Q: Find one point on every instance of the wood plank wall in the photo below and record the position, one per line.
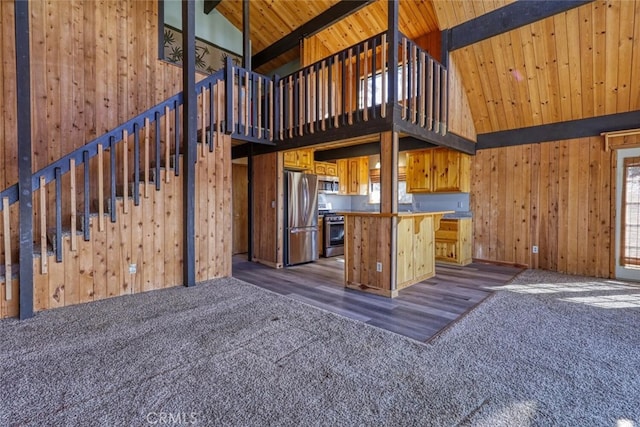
(556, 195)
(240, 211)
(94, 65)
(150, 236)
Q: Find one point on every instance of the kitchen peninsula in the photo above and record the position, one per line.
(386, 252)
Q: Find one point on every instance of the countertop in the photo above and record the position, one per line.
(399, 214)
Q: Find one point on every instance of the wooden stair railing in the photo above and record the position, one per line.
(136, 152)
(351, 87)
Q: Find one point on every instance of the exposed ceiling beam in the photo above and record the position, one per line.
(209, 5)
(581, 128)
(507, 18)
(330, 16)
(406, 143)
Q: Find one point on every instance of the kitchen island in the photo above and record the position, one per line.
(386, 252)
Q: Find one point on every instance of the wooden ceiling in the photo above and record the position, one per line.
(578, 64)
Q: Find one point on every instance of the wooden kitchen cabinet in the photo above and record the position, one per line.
(438, 170)
(353, 176)
(453, 241)
(299, 159)
(326, 168)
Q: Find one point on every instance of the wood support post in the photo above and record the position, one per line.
(246, 40)
(190, 125)
(25, 171)
(389, 195)
(392, 31)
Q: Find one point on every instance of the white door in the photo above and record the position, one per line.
(628, 214)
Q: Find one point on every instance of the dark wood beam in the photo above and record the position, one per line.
(330, 16)
(190, 131)
(450, 140)
(209, 5)
(406, 143)
(581, 128)
(25, 167)
(507, 18)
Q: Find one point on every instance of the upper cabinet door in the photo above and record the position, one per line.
(419, 171)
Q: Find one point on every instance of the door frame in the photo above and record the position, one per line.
(620, 271)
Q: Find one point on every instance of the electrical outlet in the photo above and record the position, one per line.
(534, 249)
(459, 204)
(379, 267)
(133, 268)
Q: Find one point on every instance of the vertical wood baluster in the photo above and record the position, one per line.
(343, 87)
(356, 81)
(271, 110)
(423, 77)
(167, 146)
(301, 91)
(112, 177)
(383, 101)
(443, 108)
(87, 200)
(329, 97)
(176, 137)
(125, 171)
(350, 87)
(414, 79)
(44, 264)
(158, 149)
(100, 188)
(365, 80)
(430, 94)
(290, 106)
(324, 82)
(7, 249)
(203, 125)
(57, 173)
(136, 164)
(147, 131)
(403, 83)
(74, 213)
(212, 111)
(247, 103)
(258, 123)
(436, 100)
(336, 120)
(373, 77)
(282, 111)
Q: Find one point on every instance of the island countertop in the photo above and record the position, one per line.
(386, 252)
(399, 214)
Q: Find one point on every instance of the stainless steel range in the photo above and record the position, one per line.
(333, 235)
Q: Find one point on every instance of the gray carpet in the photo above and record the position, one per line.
(229, 353)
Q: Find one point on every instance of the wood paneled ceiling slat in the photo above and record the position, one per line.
(272, 19)
(416, 18)
(578, 64)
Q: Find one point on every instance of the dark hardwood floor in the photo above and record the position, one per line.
(420, 311)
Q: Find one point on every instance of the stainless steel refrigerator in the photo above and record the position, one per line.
(302, 218)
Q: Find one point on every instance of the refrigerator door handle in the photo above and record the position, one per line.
(305, 198)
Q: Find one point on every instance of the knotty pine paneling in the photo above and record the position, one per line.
(578, 64)
(150, 236)
(556, 195)
(268, 209)
(240, 211)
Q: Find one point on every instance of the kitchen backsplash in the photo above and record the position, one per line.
(458, 202)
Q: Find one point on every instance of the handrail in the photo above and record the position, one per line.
(260, 109)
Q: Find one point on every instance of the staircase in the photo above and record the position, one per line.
(108, 216)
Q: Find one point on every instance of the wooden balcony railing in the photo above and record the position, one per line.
(351, 86)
